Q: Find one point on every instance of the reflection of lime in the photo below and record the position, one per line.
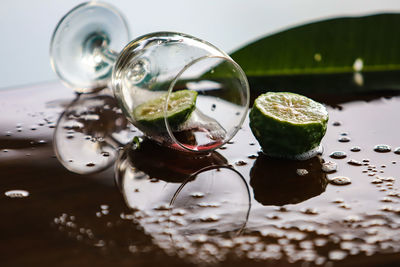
(287, 124)
(180, 105)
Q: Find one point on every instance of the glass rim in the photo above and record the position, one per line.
(177, 77)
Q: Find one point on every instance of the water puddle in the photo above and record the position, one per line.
(125, 196)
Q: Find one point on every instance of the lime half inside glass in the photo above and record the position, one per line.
(287, 124)
(181, 104)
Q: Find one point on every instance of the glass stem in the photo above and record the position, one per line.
(109, 55)
(97, 52)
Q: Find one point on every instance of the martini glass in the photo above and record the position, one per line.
(151, 69)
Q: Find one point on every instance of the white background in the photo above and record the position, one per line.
(26, 26)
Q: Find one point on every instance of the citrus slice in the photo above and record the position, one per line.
(180, 105)
(287, 124)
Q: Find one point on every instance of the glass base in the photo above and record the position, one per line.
(84, 45)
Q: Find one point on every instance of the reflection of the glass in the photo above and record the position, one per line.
(89, 132)
(179, 198)
(149, 174)
(281, 182)
(217, 195)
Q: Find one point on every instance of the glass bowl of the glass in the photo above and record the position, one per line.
(180, 91)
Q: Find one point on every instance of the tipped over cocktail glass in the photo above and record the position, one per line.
(180, 91)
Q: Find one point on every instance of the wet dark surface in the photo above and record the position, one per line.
(92, 196)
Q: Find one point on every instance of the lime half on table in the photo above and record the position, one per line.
(287, 124)
(181, 104)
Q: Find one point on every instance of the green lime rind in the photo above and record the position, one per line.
(287, 124)
(150, 114)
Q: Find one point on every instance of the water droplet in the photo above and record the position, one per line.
(240, 163)
(178, 212)
(355, 162)
(163, 207)
(340, 180)
(386, 199)
(382, 148)
(336, 123)
(105, 212)
(350, 219)
(272, 216)
(100, 244)
(344, 139)
(213, 106)
(301, 172)
(344, 206)
(16, 193)
(200, 238)
(317, 57)
(197, 195)
(377, 181)
(105, 154)
(397, 150)
(338, 155)
(320, 242)
(329, 166)
(337, 255)
(309, 211)
(208, 205)
(388, 179)
(387, 208)
(210, 218)
(358, 64)
(282, 209)
(358, 79)
(252, 144)
(355, 149)
(154, 180)
(252, 156)
(90, 164)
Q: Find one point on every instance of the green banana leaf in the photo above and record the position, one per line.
(331, 46)
(357, 55)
